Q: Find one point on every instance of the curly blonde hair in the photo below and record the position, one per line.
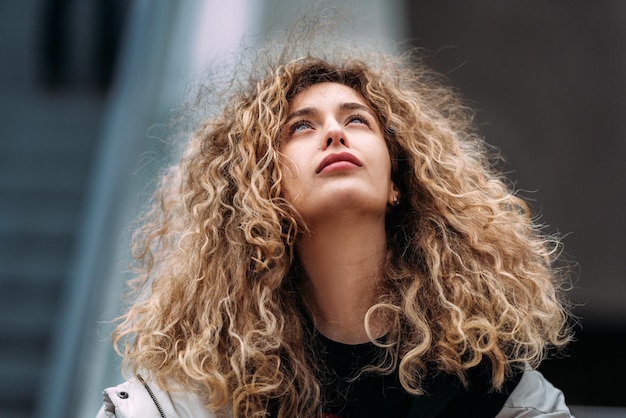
(469, 276)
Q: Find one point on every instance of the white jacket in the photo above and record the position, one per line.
(533, 397)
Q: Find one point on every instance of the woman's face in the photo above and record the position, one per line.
(334, 154)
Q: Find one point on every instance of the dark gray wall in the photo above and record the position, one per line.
(549, 81)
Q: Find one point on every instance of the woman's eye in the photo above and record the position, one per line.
(299, 126)
(358, 119)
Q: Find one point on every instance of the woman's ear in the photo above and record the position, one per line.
(394, 195)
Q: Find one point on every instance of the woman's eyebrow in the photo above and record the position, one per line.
(310, 111)
(305, 111)
(355, 106)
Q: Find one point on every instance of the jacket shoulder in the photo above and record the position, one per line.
(534, 397)
(136, 398)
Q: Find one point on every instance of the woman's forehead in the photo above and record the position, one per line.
(325, 91)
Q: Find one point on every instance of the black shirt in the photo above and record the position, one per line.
(350, 392)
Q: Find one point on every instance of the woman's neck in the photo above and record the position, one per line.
(343, 259)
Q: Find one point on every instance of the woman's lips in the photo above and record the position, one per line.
(331, 159)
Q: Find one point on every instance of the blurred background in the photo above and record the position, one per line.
(87, 92)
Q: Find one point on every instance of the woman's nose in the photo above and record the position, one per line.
(335, 136)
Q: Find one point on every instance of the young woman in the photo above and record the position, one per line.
(335, 243)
